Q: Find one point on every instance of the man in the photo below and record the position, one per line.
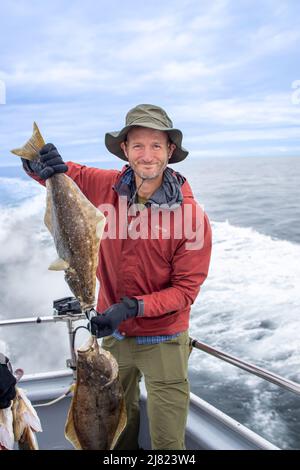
(147, 283)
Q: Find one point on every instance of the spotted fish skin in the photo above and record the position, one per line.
(75, 225)
(97, 415)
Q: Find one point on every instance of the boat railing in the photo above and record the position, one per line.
(247, 366)
(69, 318)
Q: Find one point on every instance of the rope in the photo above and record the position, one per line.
(56, 400)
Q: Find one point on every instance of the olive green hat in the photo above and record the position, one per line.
(153, 117)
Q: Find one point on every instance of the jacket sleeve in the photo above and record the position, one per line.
(189, 271)
(94, 183)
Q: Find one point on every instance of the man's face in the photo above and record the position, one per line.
(147, 151)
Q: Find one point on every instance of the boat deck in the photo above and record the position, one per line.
(207, 427)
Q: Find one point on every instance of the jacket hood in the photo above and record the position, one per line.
(187, 190)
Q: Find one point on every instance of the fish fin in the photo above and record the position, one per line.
(6, 429)
(28, 440)
(121, 425)
(30, 416)
(70, 431)
(24, 415)
(30, 150)
(59, 265)
(48, 212)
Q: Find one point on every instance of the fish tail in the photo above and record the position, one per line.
(30, 149)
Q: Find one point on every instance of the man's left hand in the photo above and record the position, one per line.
(107, 322)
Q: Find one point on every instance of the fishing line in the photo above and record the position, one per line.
(135, 193)
(74, 334)
(70, 389)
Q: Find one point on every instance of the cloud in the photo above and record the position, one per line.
(219, 65)
(246, 135)
(78, 52)
(274, 109)
(250, 151)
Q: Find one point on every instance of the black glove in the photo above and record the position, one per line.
(106, 323)
(49, 162)
(7, 383)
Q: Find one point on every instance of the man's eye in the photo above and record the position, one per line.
(157, 146)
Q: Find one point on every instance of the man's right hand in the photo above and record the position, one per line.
(49, 162)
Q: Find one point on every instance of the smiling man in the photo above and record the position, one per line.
(147, 152)
(147, 284)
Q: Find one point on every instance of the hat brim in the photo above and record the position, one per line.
(114, 139)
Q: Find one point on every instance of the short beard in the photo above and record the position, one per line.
(150, 177)
(146, 177)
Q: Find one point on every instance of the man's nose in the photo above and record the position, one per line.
(147, 154)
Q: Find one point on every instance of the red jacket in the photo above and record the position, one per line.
(163, 273)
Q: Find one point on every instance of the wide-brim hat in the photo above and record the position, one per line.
(153, 117)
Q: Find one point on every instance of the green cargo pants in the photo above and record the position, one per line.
(164, 367)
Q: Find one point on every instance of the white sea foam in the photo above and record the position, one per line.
(249, 307)
(250, 302)
(16, 190)
(27, 288)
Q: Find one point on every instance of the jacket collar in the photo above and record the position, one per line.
(168, 194)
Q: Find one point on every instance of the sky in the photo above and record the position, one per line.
(226, 72)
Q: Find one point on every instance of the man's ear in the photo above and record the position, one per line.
(124, 148)
(171, 149)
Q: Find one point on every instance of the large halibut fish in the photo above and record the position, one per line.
(75, 225)
(97, 415)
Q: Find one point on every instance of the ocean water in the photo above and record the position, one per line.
(249, 305)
